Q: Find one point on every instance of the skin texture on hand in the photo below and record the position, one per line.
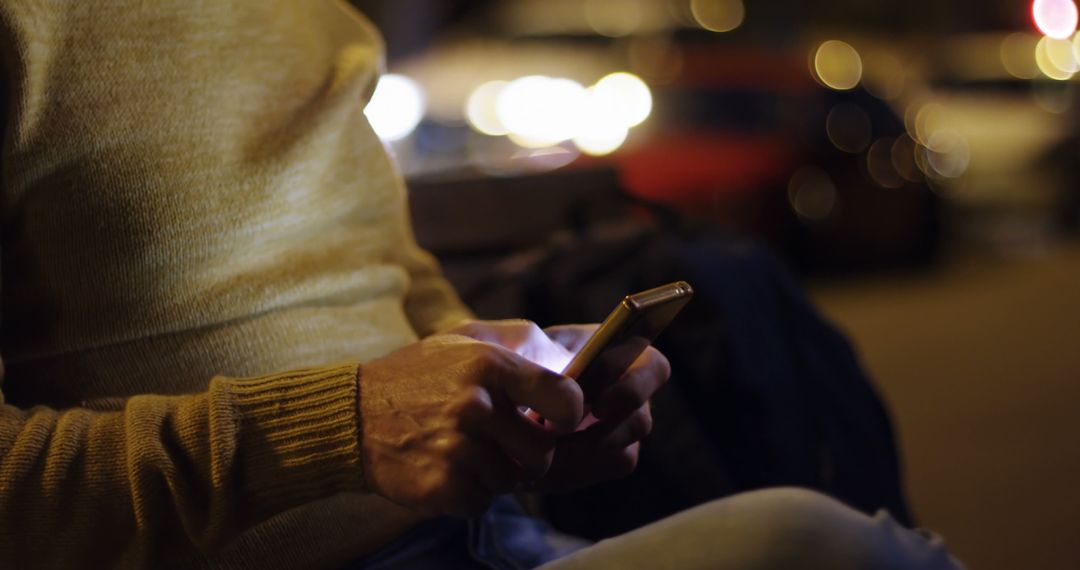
(605, 444)
(441, 428)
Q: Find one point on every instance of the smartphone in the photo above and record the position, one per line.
(636, 321)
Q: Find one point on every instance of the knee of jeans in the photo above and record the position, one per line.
(792, 509)
(808, 528)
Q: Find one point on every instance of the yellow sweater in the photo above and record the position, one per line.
(191, 195)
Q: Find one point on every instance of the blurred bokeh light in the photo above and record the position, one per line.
(614, 18)
(541, 111)
(396, 107)
(837, 65)
(1060, 53)
(1054, 58)
(879, 164)
(1018, 55)
(949, 153)
(718, 15)
(903, 158)
(626, 95)
(812, 194)
(481, 109)
(1055, 18)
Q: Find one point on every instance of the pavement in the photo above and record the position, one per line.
(979, 362)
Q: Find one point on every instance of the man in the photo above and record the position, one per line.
(212, 313)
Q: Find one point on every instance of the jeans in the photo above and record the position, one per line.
(784, 528)
(504, 538)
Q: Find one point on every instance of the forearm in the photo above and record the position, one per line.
(125, 488)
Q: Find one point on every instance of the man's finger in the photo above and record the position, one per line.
(629, 431)
(524, 440)
(525, 443)
(490, 465)
(640, 381)
(555, 397)
(605, 435)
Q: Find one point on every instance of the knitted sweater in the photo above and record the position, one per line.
(202, 242)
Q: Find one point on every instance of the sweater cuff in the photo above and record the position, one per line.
(299, 435)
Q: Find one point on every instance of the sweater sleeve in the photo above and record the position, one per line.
(123, 488)
(431, 303)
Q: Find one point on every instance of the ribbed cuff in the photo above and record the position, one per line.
(299, 435)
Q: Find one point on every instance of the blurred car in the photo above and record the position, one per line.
(1019, 128)
(746, 138)
(741, 136)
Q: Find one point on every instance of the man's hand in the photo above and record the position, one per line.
(441, 428)
(605, 444)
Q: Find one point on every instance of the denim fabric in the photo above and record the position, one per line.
(774, 529)
(503, 538)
